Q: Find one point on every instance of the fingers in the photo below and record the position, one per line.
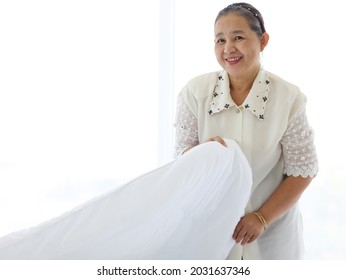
(248, 238)
(245, 238)
(217, 139)
(247, 230)
(237, 236)
(242, 235)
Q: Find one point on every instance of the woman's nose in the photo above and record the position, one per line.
(229, 48)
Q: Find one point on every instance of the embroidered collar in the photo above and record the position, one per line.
(255, 102)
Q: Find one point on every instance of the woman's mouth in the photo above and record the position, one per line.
(233, 60)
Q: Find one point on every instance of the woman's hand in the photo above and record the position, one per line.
(217, 139)
(248, 229)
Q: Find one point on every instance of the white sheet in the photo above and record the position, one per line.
(186, 209)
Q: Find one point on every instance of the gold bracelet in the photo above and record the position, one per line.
(262, 220)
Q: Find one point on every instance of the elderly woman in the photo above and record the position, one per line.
(266, 116)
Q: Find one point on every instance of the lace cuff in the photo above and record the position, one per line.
(298, 148)
(186, 125)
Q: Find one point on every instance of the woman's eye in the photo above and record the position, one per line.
(219, 41)
(238, 38)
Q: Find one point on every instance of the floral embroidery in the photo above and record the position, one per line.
(256, 100)
(298, 148)
(186, 125)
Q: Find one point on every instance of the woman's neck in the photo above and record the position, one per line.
(241, 86)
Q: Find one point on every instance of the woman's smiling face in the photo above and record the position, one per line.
(237, 46)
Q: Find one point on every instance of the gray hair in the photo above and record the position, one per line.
(252, 15)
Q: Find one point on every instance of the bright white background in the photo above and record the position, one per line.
(78, 102)
(87, 92)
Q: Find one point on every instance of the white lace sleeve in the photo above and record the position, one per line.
(186, 125)
(298, 148)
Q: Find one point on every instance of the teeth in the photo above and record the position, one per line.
(233, 59)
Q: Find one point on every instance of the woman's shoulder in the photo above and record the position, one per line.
(207, 77)
(285, 94)
(283, 85)
(203, 83)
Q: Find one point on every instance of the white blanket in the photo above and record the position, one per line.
(186, 209)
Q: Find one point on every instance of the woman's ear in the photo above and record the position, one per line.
(264, 40)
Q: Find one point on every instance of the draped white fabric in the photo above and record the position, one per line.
(186, 209)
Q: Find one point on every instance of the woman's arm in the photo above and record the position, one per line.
(186, 125)
(284, 197)
(300, 163)
(250, 227)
